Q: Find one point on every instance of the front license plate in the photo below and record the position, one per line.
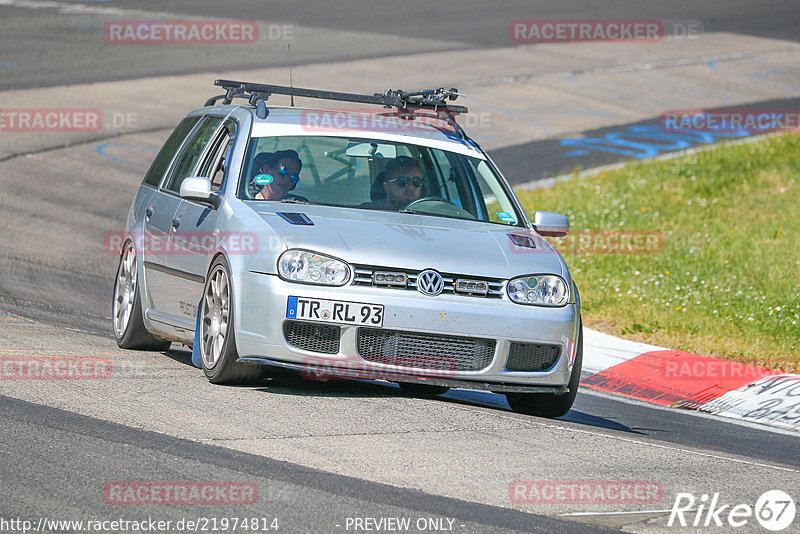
(334, 311)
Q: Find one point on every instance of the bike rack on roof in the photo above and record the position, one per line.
(406, 103)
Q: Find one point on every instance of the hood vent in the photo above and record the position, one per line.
(522, 240)
(297, 218)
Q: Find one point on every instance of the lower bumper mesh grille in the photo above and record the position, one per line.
(531, 357)
(425, 351)
(312, 337)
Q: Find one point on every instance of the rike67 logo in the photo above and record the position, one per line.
(774, 510)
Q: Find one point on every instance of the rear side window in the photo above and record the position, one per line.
(167, 152)
(187, 160)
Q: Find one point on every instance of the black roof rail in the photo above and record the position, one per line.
(428, 99)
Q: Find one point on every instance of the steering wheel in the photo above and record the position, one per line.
(426, 199)
(439, 206)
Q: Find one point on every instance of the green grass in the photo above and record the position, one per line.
(726, 281)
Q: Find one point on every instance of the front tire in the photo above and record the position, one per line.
(126, 309)
(218, 353)
(550, 404)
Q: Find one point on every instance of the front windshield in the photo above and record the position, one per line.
(375, 175)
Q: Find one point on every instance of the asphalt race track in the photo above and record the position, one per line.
(325, 454)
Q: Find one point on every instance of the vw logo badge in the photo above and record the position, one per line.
(430, 282)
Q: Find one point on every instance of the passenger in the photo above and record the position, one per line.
(277, 174)
(397, 186)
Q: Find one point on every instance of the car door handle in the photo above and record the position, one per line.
(149, 211)
(176, 222)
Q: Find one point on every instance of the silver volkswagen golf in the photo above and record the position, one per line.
(381, 243)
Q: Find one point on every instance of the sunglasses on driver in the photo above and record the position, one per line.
(403, 181)
(264, 179)
(292, 177)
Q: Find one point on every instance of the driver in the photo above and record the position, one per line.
(400, 184)
(277, 174)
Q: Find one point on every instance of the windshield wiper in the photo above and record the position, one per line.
(291, 200)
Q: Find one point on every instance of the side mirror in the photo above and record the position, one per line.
(199, 188)
(551, 224)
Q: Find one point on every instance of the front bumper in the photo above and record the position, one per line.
(260, 306)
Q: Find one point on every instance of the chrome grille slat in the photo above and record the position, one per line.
(363, 276)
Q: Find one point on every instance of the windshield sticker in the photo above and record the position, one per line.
(262, 179)
(506, 217)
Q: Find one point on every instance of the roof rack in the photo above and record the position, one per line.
(427, 99)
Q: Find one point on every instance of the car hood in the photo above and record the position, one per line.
(412, 241)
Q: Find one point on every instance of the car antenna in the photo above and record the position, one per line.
(289, 46)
